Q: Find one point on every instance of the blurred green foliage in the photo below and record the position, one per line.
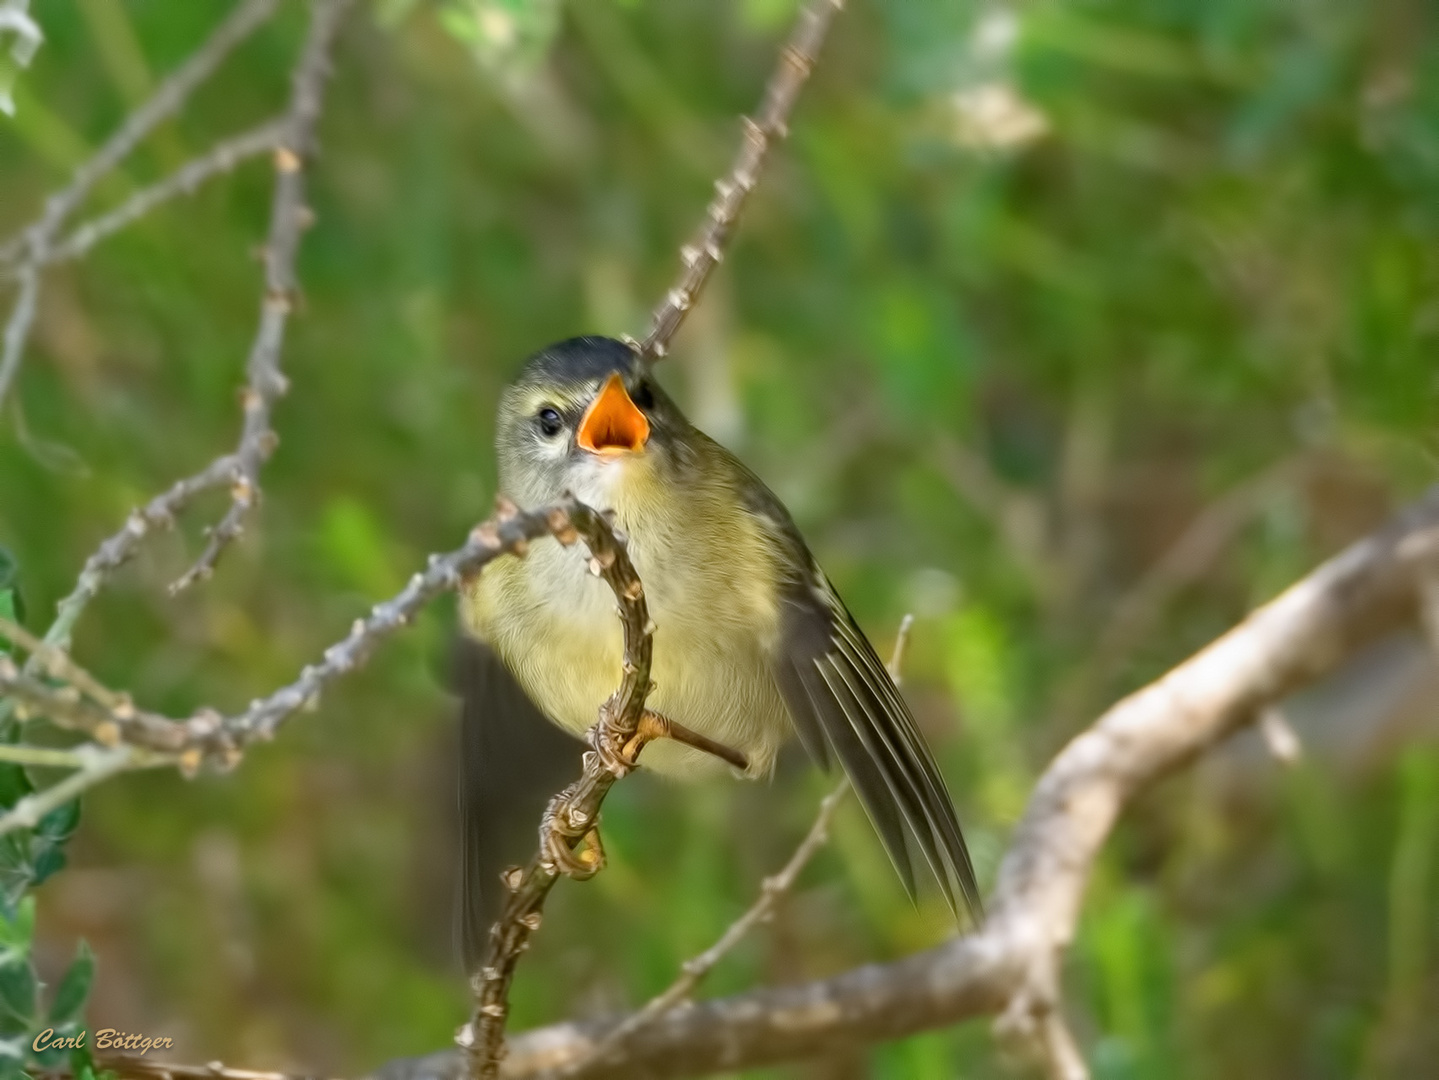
(1028, 288)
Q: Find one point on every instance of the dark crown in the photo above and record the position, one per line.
(578, 360)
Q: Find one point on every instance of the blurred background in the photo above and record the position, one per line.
(1075, 328)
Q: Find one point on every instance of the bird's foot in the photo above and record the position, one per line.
(655, 726)
(569, 846)
(617, 750)
(613, 748)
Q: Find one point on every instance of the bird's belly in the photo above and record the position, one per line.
(708, 669)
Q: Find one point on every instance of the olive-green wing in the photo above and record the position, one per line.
(843, 701)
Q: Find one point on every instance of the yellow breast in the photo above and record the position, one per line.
(710, 581)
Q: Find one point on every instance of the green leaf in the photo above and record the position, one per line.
(13, 1051)
(16, 933)
(16, 871)
(14, 784)
(12, 604)
(59, 823)
(74, 988)
(18, 989)
(49, 859)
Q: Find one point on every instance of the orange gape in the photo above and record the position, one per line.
(613, 424)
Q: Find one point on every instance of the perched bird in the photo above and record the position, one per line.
(752, 643)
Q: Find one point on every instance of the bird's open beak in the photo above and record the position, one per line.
(613, 424)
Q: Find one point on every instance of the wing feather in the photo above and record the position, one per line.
(843, 700)
(512, 759)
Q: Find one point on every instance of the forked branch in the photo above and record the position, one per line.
(32, 248)
(289, 217)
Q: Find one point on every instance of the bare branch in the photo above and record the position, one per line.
(574, 813)
(220, 158)
(694, 970)
(32, 245)
(1011, 966)
(289, 216)
(508, 532)
(106, 716)
(242, 21)
(701, 256)
(115, 551)
(57, 664)
(45, 757)
(17, 329)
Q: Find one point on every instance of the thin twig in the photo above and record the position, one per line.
(44, 757)
(289, 217)
(694, 970)
(108, 725)
(17, 329)
(574, 813)
(508, 532)
(31, 247)
(116, 550)
(244, 19)
(101, 765)
(797, 59)
(220, 158)
(57, 664)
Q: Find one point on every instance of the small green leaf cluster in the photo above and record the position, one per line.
(27, 858)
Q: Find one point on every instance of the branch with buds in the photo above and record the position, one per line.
(122, 735)
(705, 252)
(39, 244)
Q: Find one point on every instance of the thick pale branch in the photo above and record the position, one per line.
(1011, 966)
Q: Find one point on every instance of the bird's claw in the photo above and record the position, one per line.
(615, 751)
(567, 848)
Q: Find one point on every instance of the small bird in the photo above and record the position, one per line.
(752, 643)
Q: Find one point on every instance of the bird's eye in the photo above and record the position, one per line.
(549, 421)
(644, 396)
